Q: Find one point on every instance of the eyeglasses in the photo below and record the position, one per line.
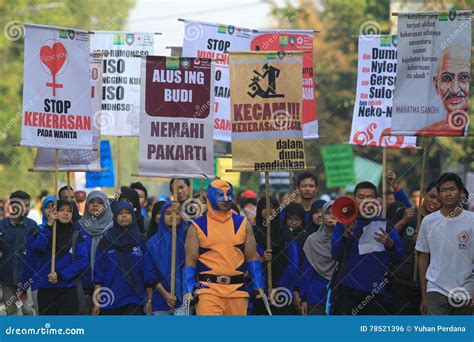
(446, 80)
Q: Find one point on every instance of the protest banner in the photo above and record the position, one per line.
(338, 163)
(377, 68)
(106, 178)
(266, 100)
(56, 89)
(76, 160)
(205, 40)
(176, 120)
(433, 74)
(121, 79)
(295, 40)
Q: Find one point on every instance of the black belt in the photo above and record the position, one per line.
(219, 279)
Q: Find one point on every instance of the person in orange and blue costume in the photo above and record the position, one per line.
(220, 247)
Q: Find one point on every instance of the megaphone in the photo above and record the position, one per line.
(345, 209)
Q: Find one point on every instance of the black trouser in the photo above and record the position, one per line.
(127, 310)
(58, 301)
(356, 302)
(260, 310)
(406, 299)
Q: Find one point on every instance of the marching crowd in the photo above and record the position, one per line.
(113, 256)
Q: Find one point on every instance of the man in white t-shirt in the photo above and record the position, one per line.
(446, 247)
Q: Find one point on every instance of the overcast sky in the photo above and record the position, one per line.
(162, 16)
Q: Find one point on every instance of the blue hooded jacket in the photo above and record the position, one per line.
(158, 261)
(30, 275)
(119, 263)
(69, 265)
(364, 272)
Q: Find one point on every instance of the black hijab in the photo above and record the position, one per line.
(153, 228)
(134, 198)
(300, 235)
(279, 235)
(123, 239)
(317, 205)
(64, 232)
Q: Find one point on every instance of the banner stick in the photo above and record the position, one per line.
(269, 224)
(384, 182)
(31, 169)
(422, 188)
(395, 14)
(68, 183)
(18, 145)
(119, 162)
(182, 19)
(201, 190)
(253, 170)
(173, 240)
(53, 251)
(291, 182)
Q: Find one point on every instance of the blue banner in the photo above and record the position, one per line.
(102, 179)
(238, 329)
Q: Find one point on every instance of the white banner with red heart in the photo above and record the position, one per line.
(57, 110)
(75, 160)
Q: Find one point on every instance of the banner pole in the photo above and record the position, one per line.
(384, 182)
(68, 183)
(119, 162)
(422, 190)
(173, 240)
(291, 182)
(269, 239)
(201, 190)
(53, 242)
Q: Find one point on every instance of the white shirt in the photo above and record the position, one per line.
(449, 241)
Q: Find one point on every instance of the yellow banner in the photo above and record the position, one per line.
(266, 103)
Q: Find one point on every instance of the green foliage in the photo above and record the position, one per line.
(80, 14)
(339, 23)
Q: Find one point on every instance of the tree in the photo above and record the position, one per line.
(339, 23)
(80, 14)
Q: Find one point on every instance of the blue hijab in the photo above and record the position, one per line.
(161, 251)
(123, 240)
(46, 201)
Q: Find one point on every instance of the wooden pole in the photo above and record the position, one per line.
(56, 174)
(119, 162)
(422, 190)
(201, 190)
(269, 226)
(291, 182)
(68, 184)
(173, 240)
(384, 182)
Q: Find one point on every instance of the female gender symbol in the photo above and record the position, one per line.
(54, 58)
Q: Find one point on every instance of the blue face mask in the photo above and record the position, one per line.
(219, 191)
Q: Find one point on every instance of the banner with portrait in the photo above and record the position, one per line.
(433, 74)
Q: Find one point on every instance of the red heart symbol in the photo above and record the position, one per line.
(54, 57)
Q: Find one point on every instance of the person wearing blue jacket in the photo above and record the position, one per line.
(318, 266)
(365, 249)
(95, 222)
(57, 291)
(16, 233)
(30, 270)
(157, 264)
(46, 207)
(283, 255)
(118, 269)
